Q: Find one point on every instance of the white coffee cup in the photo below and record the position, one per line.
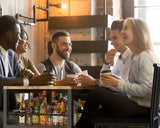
(106, 72)
(85, 72)
(72, 75)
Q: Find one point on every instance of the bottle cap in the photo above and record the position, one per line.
(37, 98)
(24, 101)
(61, 95)
(44, 93)
(53, 94)
(79, 102)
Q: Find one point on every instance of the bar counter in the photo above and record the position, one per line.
(48, 87)
(70, 90)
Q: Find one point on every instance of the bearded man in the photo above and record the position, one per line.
(57, 62)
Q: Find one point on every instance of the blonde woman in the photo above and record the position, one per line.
(136, 94)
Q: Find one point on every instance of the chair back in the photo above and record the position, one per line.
(155, 96)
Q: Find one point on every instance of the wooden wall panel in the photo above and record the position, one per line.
(77, 22)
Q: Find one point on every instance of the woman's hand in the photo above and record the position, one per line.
(109, 80)
(27, 73)
(86, 80)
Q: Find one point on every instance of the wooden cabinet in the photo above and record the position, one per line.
(13, 122)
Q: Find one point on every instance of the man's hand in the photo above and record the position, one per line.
(67, 81)
(110, 56)
(86, 80)
(27, 73)
(47, 78)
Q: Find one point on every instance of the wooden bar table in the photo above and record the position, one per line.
(71, 90)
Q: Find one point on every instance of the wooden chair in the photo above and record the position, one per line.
(151, 121)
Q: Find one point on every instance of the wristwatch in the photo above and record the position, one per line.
(97, 82)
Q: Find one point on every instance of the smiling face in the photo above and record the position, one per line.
(22, 46)
(63, 47)
(127, 33)
(117, 40)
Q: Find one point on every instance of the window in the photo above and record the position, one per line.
(149, 10)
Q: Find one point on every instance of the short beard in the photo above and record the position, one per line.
(61, 54)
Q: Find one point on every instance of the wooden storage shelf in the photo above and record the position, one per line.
(64, 22)
(89, 46)
(9, 122)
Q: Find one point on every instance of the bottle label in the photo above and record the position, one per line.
(75, 118)
(65, 121)
(22, 119)
(28, 120)
(79, 115)
(61, 120)
(35, 119)
(42, 118)
(55, 120)
(49, 121)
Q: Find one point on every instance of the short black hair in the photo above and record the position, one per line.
(58, 34)
(117, 24)
(7, 23)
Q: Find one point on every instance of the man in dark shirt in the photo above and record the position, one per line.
(57, 62)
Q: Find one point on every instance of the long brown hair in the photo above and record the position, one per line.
(142, 40)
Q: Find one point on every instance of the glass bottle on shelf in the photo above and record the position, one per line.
(35, 117)
(60, 109)
(66, 116)
(31, 101)
(62, 112)
(37, 103)
(55, 118)
(21, 115)
(49, 117)
(80, 109)
(43, 118)
(44, 96)
(75, 109)
(53, 100)
(28, 116)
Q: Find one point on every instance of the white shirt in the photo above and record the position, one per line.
(5, 60)
(141, 77)
(122, 66)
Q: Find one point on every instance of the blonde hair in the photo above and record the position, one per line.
(142, 40)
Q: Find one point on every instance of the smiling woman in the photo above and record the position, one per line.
(22, 47)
